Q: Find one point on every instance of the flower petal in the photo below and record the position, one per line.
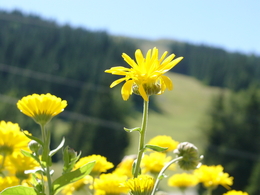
(142, 92)
(168, 82)
(169, 66)
(139, 57)
(116, 82)
(126, 90)
(118, 70)
(163, 56)
(168, 59)
(129, 60)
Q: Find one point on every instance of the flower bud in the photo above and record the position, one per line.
(149, 89)
(190, 157)
(72, 154)
(34, 146)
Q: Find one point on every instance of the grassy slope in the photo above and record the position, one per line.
(184, 111)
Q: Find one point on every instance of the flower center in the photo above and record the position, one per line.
(6, 150)
(150, 89)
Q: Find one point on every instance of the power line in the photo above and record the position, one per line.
(51, 78)
(235, 152)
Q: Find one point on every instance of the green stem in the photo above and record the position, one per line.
(45, 156)
(160, 175)
(209, 191)
(141, 139)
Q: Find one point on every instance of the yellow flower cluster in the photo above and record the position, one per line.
(12, 162)
(212, 176)
(145, 77)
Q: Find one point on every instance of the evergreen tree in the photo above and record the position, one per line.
(233, 135)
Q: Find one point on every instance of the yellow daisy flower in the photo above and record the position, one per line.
(12, 140)
(110, 184)
(164, 141)
(125, 166)
(142, 185)
(78, 185)
(234, 192)
(212, 176)
(101, 165)
(183, 180)
(20, 163)
(155, 161)
(41, 107)
(9, 181)
(145, 77)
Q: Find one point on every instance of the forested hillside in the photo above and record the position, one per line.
(39, 56)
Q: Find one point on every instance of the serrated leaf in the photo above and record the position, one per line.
(133, 129)
(58, 148)
(34, 138)
(18, 190)
(155, 148)
(71, 177)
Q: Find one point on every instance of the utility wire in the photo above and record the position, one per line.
(51, 78)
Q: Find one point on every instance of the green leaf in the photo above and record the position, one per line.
(133, 129)
(133, 167)
(18, 190)
(71, 177)
(34, 138)
(155, 148)
(28, 154)
(58, 148)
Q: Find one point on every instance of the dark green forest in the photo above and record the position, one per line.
(39, 56)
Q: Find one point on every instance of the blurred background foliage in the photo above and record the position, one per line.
(39, 56)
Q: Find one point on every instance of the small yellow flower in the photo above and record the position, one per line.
(164, 141)
(183, 180)
(212, 176)
(101, 165)
(20, 163)
(9, 181)
(125, 166)
(234, 192)
(41, 107)
(12, 140)
(142, 185)
(155, 161)
(146, 74)
(110, 184)
(78, 185)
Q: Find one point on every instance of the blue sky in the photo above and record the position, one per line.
(233, 25)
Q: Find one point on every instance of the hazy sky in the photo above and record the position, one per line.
(229, 24)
